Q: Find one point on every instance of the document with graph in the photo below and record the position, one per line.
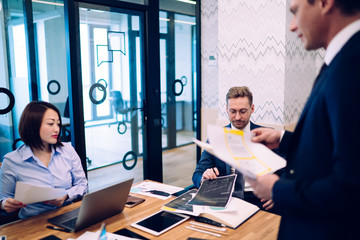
(235, 148)
(215, 192)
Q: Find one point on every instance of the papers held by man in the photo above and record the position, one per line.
(235, 148)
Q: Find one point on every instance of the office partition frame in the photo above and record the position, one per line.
(152, 147)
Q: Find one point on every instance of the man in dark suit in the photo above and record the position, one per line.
(239, 107)
(318, 193)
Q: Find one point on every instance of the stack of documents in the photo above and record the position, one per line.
(221, 208)
(233, 215)
(215, 192)
(146, 187)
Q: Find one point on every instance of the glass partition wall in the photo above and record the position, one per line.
(39, 77)
(112, 78)
(138, 99)
(178, 90)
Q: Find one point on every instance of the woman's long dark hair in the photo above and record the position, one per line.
(30, 123)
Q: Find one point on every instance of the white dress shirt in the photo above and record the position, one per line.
(340, 40)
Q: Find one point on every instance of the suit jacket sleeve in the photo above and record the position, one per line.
(206, 161)
(284, 145)
(322, 175)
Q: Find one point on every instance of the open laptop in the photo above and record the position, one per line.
(95, 207)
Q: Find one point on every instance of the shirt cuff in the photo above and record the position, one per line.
(3, 204)
(282, 135)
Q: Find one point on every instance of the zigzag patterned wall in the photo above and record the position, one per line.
(301, 70)
(209, 47)
(253, 47)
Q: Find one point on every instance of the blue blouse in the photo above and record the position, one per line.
(64, 171)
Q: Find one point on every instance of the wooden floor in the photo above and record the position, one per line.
(178, 167)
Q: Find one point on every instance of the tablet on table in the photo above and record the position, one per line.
(159, 222)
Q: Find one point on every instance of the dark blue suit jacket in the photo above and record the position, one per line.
(209, 161)
(318, 195)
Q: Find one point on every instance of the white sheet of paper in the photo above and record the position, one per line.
(235, 148)
(95, 236)
(206, 209)
(205, 146)
(28, 193)
(144, 187)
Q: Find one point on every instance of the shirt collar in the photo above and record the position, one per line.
(27, 153)
(245, 129)
(339, 40)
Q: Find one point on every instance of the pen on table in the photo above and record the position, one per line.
(222, 229)
(59, 229)
(209, 221)
(203, 231)
(157, 192)
(208, 229)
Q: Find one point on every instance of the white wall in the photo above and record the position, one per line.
(253, 47)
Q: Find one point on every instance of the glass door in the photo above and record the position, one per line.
(15, 90)
(34, 32)
(178, 96)
(112, 80)
(50, 55)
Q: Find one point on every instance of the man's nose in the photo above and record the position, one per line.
(293, 26)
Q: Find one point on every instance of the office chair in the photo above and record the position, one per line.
(120, 107)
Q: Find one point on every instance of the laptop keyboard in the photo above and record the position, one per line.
(70, 223)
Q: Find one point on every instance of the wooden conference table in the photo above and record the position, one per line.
(262, 225)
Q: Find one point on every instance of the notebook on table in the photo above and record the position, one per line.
(95, 207)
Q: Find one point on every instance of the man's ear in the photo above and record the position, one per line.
(326, 5)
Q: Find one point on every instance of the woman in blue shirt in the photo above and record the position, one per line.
(43, 160)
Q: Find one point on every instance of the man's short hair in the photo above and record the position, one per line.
(348, 7)
(236, 92)
(30, 123)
